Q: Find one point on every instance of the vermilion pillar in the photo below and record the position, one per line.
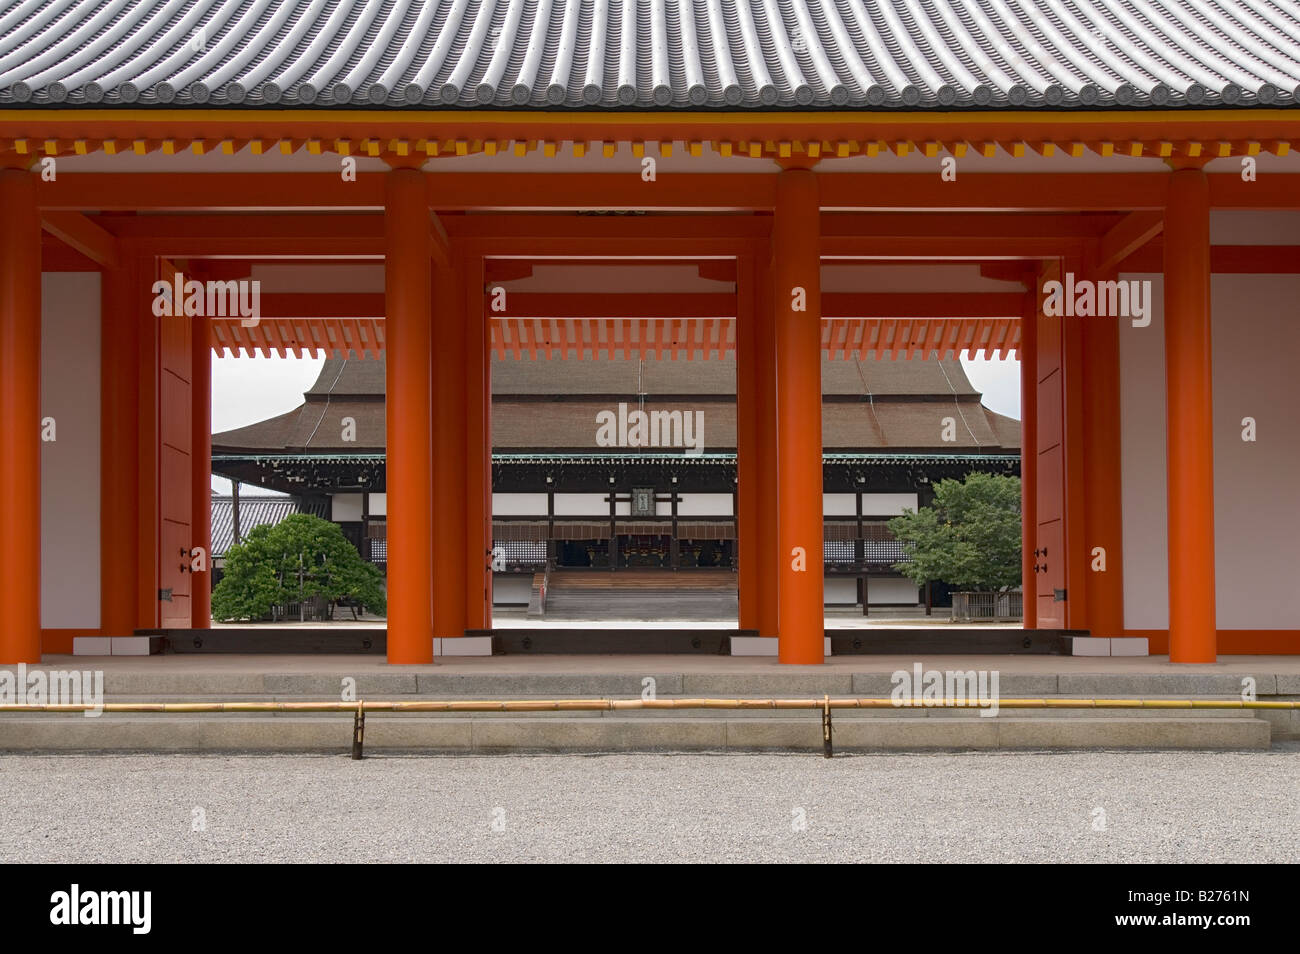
(765, 453)
(1078, 576)
(1189, 410)
(449, 566)
(1029, 451)
(20, 418)
(148, 353)
(407, 276)
(478, 450)
(1103, 503)
(796, 306)
(201, 471)
(124, 299)
(747, 439)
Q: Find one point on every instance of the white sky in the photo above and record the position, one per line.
(248, 390)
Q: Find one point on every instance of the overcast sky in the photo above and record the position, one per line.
(248, 390)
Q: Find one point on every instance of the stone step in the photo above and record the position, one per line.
(214, 682)
(636, 731)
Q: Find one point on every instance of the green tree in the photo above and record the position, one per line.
(969, 537)
(300, 557)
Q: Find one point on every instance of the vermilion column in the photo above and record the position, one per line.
(407, 274)
(1029, 451)
(765, 453)
(20, 418)
(747, 439)
(201, 471)
(796, 306)
(449, 565)
(148, 355)
(478, 451)
(1189, 410)
(1103, 505)
(123, 301)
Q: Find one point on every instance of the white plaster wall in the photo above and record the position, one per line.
(891, 589)
(345, 508)
(887, 505)
(581, 505)
(1257, 528)
(840, 591)
(1142, 465)
(379, 505)
(704, 505)
(881, 590)
(839, 505)
(70, 464)
(519, 505)
(1256, 523)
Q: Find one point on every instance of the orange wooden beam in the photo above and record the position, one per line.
(82, 234)
(228, 191)
(1125, 238)
(1119, 191)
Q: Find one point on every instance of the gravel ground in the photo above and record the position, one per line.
(1038, 807)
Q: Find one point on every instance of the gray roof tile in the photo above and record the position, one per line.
(650, 54)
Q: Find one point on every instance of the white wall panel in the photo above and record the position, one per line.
(839, 505)
(1142, 466)
(581, 505)
(519, 505)
(704, 505)
(1256, 521)
(345, 508)
(887, 505)
(1257, 530)
(891, 589)
(69, 543)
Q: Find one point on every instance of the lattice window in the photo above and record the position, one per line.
(837, 551)
(884, 551)
(522, 552)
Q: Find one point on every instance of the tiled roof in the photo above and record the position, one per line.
(617, 375)
(870, 404)
(654, 54)
(252, 511)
